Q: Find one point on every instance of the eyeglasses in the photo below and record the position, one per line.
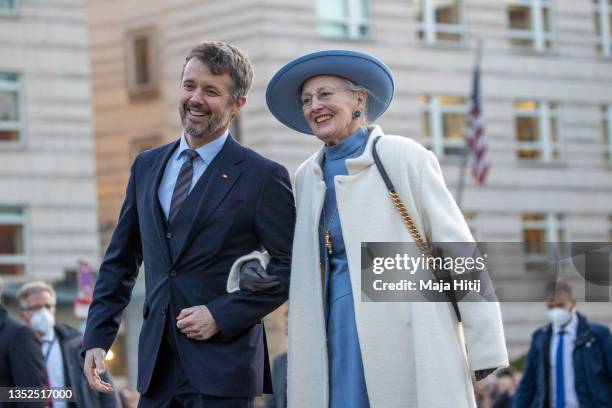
(323, 95)
(36, 307)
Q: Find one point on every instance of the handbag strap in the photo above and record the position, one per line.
(410, 225)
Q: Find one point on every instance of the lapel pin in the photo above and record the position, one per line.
(225, 176)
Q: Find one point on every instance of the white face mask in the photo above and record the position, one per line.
(42, 321)
(559, 316)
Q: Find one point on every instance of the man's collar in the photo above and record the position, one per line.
(206, 152)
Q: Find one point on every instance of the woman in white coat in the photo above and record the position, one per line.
(344, 353)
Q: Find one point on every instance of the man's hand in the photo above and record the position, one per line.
(93, 367)
(197, 323)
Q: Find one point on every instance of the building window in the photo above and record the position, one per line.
(603, 26)
(537, 131)
(440, 21)
(606, 124)
(13, 254)
(538, 231)
(531, 24)
(140, 144)
(540, 228)
(343, 18)
(444, 121)
(8, 7)
(141, 63)
(10, 115)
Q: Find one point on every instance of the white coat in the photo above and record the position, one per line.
(414, 354)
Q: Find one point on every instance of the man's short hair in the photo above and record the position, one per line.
(558, 288)
(31, 288)
(223, 58)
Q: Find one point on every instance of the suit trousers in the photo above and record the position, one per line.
(170, 387)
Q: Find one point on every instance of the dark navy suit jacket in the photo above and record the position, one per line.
(21, 361)
(242, 202)
(592, 361)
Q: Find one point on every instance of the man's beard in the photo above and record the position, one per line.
(214, 121)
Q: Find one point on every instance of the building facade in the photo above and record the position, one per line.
(546, 95)
(48, 210)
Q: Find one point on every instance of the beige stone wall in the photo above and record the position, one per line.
(120, 120)
(50, 173)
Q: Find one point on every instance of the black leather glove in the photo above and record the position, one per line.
(482, 374)
(254, 278)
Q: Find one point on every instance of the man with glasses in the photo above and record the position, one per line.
(60, 346)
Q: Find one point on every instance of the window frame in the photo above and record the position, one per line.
(430, 28)
(536, 34)
(546, 147)
(603, 11)
(553, 224)
(352, 22)
(145, 142)
(437, 141)
(17, 125)
(149, 89)
(22, 219)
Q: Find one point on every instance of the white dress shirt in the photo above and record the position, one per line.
(52, 353)
(571, 399)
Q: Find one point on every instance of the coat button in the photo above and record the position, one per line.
(173, 272)
(164, 310)
(168, 235)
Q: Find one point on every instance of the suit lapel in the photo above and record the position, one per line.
(156, 210)
(220, 177)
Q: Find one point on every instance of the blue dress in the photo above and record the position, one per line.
(347, 388)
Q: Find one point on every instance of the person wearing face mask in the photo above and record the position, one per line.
(60, 346)
(21, 362)
(569, 364)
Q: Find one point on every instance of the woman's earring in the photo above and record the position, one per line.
(356, 113)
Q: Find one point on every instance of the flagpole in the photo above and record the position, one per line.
(466, 151)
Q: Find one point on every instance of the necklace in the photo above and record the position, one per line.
(327, 236)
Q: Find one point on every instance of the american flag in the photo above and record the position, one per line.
(475, 136)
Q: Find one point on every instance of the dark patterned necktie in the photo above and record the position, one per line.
(183, 183)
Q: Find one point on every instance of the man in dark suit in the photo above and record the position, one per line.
(569, 364)
(60, 345)
(192, 208)
(21, 362)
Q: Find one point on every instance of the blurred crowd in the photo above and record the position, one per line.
(35, 350)
(497, 391)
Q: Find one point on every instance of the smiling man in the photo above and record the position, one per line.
(192, 208)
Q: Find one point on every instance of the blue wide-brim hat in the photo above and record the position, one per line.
(283, 94)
